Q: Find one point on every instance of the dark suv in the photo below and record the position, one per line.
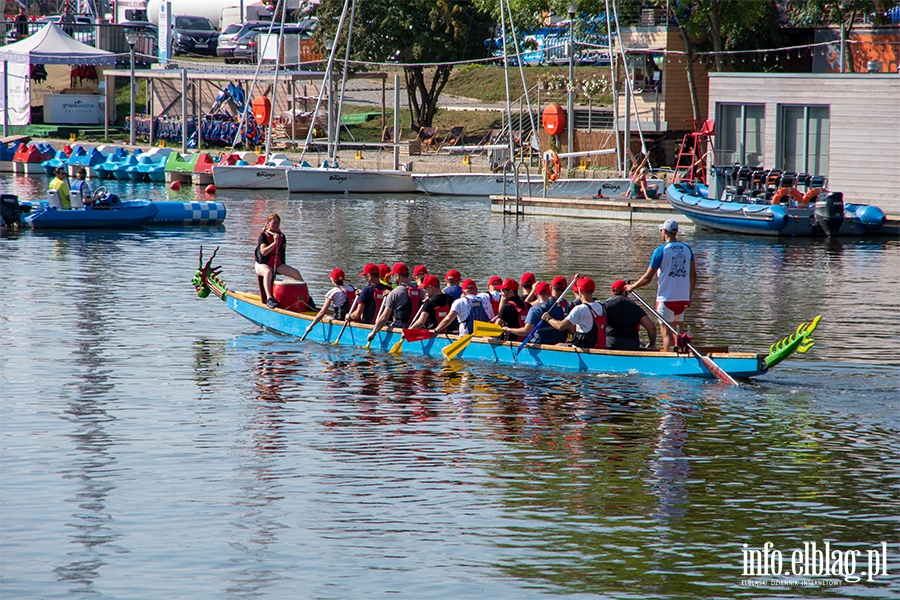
(195, 34)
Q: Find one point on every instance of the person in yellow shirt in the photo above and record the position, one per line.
(61, 186)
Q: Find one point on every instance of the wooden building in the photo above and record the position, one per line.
(662, 96)
(843, 126)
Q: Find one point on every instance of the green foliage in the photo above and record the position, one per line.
(412, 31)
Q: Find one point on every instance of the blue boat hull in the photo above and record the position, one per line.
(768, 219)
(132, 215)
(657, 364)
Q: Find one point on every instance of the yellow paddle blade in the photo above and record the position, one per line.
(456, 347)
(396, 348)
(483, 328)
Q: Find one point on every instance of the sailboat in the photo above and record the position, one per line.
(496, 184)
(331, 178)
(268, 172)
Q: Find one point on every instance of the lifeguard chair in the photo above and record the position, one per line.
(691, 163)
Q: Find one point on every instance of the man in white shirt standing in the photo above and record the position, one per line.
(673, 263)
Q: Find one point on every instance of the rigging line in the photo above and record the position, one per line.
(512, 143)
(337, 128)
(275, 84)
(534, 139)
(248, 100)
(328, 69)
(612, 84)
(629, 89)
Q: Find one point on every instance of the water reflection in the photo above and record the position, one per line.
(94, 465)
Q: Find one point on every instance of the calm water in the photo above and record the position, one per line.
(156, 445)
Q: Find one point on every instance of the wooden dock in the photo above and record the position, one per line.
(589, 208)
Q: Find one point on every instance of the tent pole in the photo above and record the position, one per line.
(106, 107)
(184, 112)
(5, 101)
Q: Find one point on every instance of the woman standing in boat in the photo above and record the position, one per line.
(270, 252)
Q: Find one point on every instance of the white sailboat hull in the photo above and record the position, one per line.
(250, 177)
(313, 180)
(491, 184)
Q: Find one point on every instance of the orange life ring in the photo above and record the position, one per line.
(551, 165)
(785, 192)
(809, 197)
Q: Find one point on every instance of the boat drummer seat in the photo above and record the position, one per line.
(54, 198)
(76, 199)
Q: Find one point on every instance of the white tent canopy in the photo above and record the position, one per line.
(50, 46)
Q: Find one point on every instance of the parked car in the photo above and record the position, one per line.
(80, 27)
(247, 46)
(229, 37)
(195, 34)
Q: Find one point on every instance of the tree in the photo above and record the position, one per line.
(413, 33)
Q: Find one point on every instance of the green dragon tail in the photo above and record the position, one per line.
(207, 278)
(799, 341)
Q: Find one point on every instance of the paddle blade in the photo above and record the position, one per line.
(456, 347)
(416, 335)
(717, 370)
(397, 348)
(485, 329)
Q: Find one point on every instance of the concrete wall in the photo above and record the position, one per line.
(864, 120)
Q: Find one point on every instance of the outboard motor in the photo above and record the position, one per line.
(829, 212)
(11, 210)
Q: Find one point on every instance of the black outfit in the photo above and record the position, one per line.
(265, 240)
(22, 26)
(430, 306)
(367, 298)
(623, 319)
(509, 315)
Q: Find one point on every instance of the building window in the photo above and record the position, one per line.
(803, 139)
(740, 136)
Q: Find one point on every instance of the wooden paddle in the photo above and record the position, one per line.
(533, 331)
(480, 329)
(707, 361)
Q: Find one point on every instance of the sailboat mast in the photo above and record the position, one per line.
(512, 142)
(612, 84)
(337, 127)
(275, 84)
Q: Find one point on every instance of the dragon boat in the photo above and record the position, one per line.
(774, 203)
(207, 280)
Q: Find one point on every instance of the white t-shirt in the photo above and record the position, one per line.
(672, 262)
(463, 308)
(582, 318)
(338, 295)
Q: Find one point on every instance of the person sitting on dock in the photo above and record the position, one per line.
(341, 297)
(468, 309)
(624, 318)
(60, 185)
(270, 253)
(673, 263)
(370, 296)
(546, 334)
(512, 309)
(401, 304)
(436, 306)
(639, 188)
(586, 322)
(81, 186)
(453, 288)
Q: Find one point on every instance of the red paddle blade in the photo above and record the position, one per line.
(416, 335)
(717, 371)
